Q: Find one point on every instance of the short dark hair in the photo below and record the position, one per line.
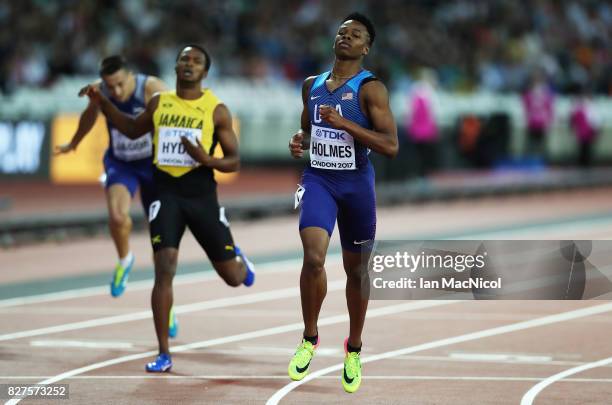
(199, 48)
(365, 21)
(111, 64)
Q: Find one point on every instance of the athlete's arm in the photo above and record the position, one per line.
(86, 123)
(230, 162)
(153, 85)
(300, 141)
(383, 137)
(130, 127)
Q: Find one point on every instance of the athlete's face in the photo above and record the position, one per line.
(191, 64)
(352, 40)
(121, 84)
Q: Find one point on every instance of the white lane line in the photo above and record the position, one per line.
(373, 313)
(101, 290)
(189, 278)
(263, 268)
(546, 320)
(179, 309)
(547, 228)
(536, 389)
(58, 296)
(82, 344)
(449, 359)
(328, 377)
(500, 357)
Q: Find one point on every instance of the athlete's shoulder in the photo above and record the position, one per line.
(373, 85)
(222, 115)
(209, 99)
(154, 84)
(307, 84)
(209, 93)
(165, 95)
(310, 79)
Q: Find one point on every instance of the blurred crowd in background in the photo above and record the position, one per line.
(494, 45)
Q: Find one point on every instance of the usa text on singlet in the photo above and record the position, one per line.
(332, 148)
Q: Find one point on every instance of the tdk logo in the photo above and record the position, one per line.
(329, 134)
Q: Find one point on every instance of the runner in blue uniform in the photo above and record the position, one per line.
(346, 114)
(127, 163)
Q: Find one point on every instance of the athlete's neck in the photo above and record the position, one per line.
(131, 87)
(345, 69)
(188, 90)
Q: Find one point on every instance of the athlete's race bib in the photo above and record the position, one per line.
(331, 149)
(170, 150)
(128, 149)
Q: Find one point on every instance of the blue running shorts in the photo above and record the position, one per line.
(345, 196)
(131, 175)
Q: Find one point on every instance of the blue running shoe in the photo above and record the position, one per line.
(162, 364)
(250, 267)
(120, 278)
(173, 324)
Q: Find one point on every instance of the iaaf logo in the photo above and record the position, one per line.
(329, 134)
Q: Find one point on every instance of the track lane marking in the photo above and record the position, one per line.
(536, 389)
(373, 313)
(532, 323)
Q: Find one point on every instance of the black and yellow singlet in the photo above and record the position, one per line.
(174, 118)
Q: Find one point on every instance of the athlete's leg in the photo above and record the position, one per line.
(356, 295)
(357, 302)
(167, 226)
(313, 287)
(148, 195)
(232, 271)
(210, 227)
(146, 186)
(162, 296)
(317, 220)
(118, 200)
(313, 279)
(121, 186)
(357, 228)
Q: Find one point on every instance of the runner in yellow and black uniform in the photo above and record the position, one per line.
(187, 188)
(187, 125)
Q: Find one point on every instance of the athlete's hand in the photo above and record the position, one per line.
(84, 89)
(93, 92)
(64, 148)
(295, 145)
(197, 152)
(330, 115)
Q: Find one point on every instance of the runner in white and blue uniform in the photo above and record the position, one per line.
(346, 114)
(339, 182)
(127, 162)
